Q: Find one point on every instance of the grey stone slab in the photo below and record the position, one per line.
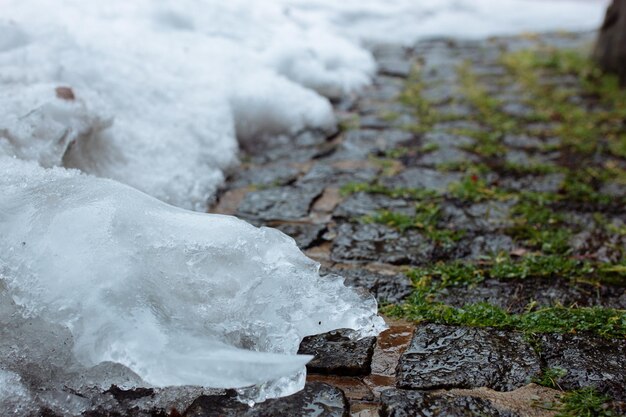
(362, 204)
(403, 403)
(338, 353)
(442, 356)
(359, 143)
(391, 288)
(423, 178)
(446, 155)
(379, 243)
(305, 234)
(328, 175)
(395, 67)
(486, 246)
(549, 183)
(281, 203)
(315, 400)
(269, 175)
(590, 361)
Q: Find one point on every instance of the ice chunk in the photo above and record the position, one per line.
(176, 296)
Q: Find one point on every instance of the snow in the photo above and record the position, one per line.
(102, 279)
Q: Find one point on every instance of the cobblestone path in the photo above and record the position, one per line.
(477, 190)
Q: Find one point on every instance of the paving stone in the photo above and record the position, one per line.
(362, 204)
(523, 158)
(328, 175)
(443, 139)
(315, 400)
(379, 243)
(374, 122)
(489, 216)
(458, 125)
(305, 234)
(269, 175)
(338, 353)
(442, 356)
(589, 361)
(486, 246)
(299, 148)
(391, 288)
(446, 155)
(440, 93)
(524, 142)
(359, 143)
(423, 178)
(514, 295)
(517, 109)
(281, 203)
(549, 183)
(384, 89)
(395, 67)
(456, 110)
(403, 403)
(386, 50)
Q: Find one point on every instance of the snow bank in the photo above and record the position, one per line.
(95, 271)
(102, 284)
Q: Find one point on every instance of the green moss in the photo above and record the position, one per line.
(350, 123)
(550, 377)
(531, 169)
(426, 218)
(585, 402)
(582, 131)
(474, 188)
(429, 147)
(604, 322)
(406, 193)
(539, 227)
(530, 266)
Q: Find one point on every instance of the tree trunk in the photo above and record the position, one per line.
(610, 49)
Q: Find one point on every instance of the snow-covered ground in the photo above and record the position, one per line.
(157, 94)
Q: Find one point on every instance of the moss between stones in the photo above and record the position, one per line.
(421, 305)
(585, 402)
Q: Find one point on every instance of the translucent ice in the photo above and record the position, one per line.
(176, 296)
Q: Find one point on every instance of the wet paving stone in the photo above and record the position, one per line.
(487, 246)
(447, 155)
(403, 403)
(315, 400)
(423, 178)
(588, 360)
(379, 243)
(337, 353)
(395, 67)
(281, 203)
(358, 144)
(550, 183)
(444, 139)
(489, 216)
(326, 174)
(391, 288)
(442, 356)
(268, 176)
(361, 204)
(305, 234)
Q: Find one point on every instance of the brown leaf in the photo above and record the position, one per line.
(65, 93)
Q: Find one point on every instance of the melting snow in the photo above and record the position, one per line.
(101, 283)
